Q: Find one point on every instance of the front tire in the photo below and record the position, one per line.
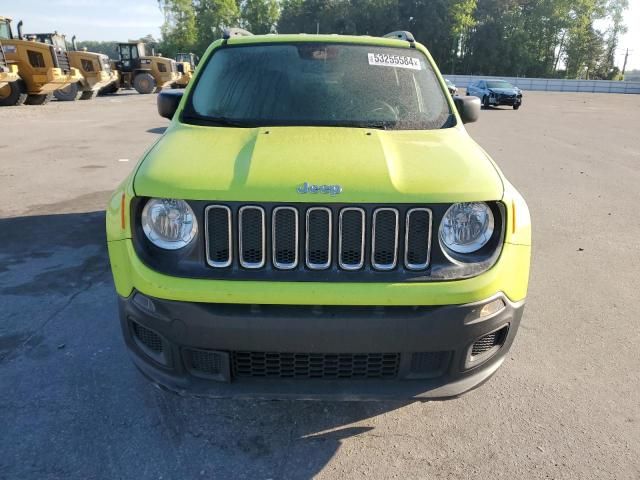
(70, 93)
(88, 95)
(13, 94)
(516, 107)
(144, 83)
(42, 99)
(485, 102)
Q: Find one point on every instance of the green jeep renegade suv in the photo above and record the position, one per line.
(316, 222)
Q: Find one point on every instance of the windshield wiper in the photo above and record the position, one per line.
(220, 122)
(378, 124)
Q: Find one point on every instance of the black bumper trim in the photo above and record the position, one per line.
(278, 328)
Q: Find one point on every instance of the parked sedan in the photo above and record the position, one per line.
(496, 92)
(453, 90)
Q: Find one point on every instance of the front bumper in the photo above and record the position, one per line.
(54, 79)
(505, 100)
(432, 346)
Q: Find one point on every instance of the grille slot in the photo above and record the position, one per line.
(417, 239)
(318, 251)
(315, 365)
(147, 337)
(384, 246)
(251, 237)
(285, 238)
(218, 236)
(351, 238)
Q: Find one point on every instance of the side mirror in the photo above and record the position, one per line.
(468, 108)
(168, 102)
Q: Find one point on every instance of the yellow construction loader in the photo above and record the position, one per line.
(10, 82)
(94, 67)
(145, 73)
(186, 63)
(42, 68)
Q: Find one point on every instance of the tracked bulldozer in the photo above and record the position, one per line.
(42, 68)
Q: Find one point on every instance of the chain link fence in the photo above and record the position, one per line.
(555, 84)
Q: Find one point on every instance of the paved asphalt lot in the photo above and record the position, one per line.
(566, 403)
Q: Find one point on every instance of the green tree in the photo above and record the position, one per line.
(260, 16)
(179, 32)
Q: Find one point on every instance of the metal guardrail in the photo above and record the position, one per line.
(555, 84)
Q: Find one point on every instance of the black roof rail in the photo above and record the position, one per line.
(227, 33)
(403, 35)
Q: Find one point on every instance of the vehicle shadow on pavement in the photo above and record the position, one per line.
(70, 392)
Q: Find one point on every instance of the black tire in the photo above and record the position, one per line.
(144, 83)
(485, 102)
(42, 99)
(109, 89)
(70, 93)
(88, 95)
(16, 94)
(516, 107)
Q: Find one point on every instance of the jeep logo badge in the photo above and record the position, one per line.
(324, 189)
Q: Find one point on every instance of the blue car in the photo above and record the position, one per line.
(493, 93)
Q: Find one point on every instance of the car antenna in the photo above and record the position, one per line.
(403, 35)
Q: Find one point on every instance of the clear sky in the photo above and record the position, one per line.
(132, 19)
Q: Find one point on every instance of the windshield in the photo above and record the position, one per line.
(5, 30)
(319, 84)
(498, 84)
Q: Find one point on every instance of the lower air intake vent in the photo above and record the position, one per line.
(315, 365)
(148, 338)
(489, 343)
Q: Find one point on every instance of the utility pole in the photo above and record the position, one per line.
(624, 65)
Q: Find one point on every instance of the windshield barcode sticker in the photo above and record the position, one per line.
(401, 61)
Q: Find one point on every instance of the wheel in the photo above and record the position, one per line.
(485, 102)
(144, 83)
(42, 99)
(13, 93)
(109, 89)
(88, 95)
(516, 107)
(70, 93)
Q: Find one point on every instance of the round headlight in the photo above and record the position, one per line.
(466, 227)
(168, 223)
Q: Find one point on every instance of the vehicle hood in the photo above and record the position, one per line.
(504, 91)
(269, 164)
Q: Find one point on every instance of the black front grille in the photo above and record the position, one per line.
(147, 337)
(318, 238)
(61, 59)
(315, 365)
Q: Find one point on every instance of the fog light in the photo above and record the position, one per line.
(492, 307)
(144, 302)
